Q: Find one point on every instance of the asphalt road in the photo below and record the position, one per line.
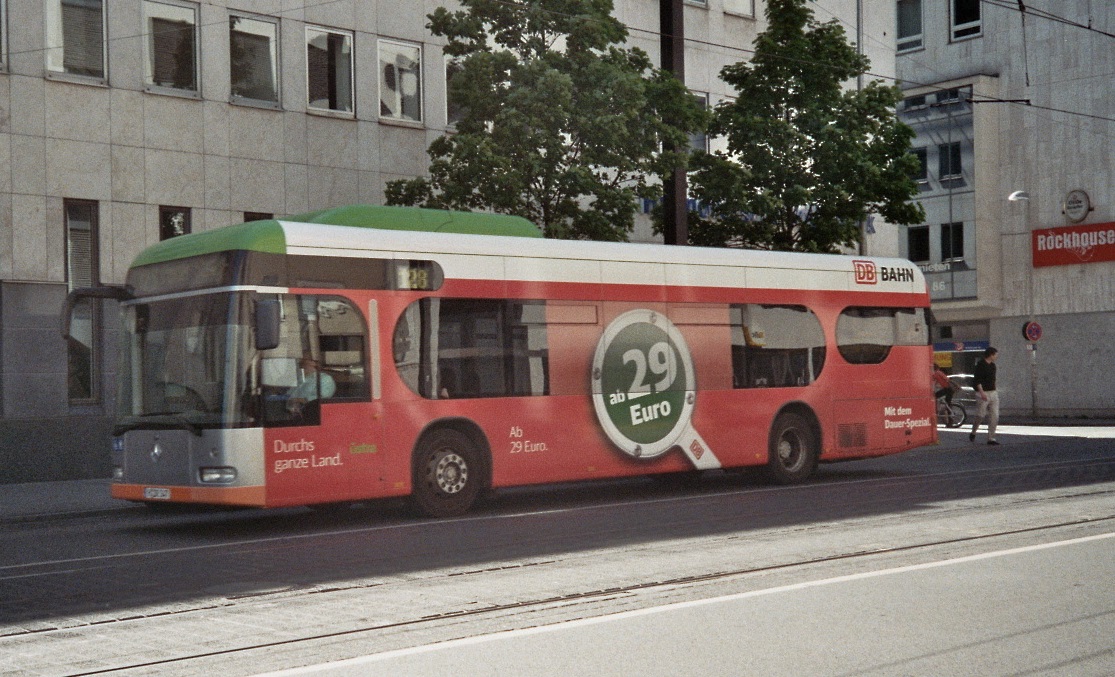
(923, 563)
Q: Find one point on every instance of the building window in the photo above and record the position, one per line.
(952, 241)
(171, 45)
(699, 141)
(257, 216)
(909, 25)
(82, 271)
(400, 81)
(742, 7)
(329, 69)
(914, 102)
(173, 221)
(917, 244)
(75, 32)
(966, 21)
(453, 111)
(948, 161)
(921, 174)
(951, 96)
(253, 46)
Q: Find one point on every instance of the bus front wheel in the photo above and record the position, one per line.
(793, 449)
(447, 473)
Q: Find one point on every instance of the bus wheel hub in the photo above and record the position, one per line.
(450, 472)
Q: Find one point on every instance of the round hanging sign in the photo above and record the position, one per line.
(1077, 205)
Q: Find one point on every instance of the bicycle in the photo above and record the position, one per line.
(951, 414)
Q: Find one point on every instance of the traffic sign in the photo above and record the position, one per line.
(1031, 331)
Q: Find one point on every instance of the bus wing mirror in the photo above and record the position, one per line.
(117, 293)
(268, 317)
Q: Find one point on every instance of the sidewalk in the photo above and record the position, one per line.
(1059, 421)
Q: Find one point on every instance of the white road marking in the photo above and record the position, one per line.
(1097, 432)
(666, 608)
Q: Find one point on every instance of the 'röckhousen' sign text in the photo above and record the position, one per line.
(1092, 243)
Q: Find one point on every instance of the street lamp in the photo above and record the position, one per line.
(1023, 196)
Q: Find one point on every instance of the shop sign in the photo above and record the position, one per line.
(1093, 243)
(953, 266)
(960, 346)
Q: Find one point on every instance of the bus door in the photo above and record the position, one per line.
(356, 413)
(317, 391)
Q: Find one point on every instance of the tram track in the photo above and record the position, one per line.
(1091, 480)
(596, 596)
(1093, 469)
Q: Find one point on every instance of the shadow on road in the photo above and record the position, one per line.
(183, 558)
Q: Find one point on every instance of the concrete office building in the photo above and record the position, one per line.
(123, 122)
(1015, 117)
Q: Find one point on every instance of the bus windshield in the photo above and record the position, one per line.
(182, 363)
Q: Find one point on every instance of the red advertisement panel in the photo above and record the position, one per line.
(1092, 243)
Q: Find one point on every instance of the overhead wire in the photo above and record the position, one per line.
(934, 87)
(1020, 6)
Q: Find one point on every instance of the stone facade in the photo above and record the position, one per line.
(1034, 120)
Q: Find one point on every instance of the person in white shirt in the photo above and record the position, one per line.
(308, 389)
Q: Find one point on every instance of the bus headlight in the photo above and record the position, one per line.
(218, 475)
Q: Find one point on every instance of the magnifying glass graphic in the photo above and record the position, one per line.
(643, 389)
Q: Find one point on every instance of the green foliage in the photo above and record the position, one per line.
(807, 158)
(559, 123)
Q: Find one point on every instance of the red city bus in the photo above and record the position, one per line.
(369, 352)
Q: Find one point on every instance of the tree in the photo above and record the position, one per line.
(559, 123)
(807, 159)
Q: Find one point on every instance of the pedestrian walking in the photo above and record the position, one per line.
(988, 396)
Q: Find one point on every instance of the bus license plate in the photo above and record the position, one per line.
(156, 493)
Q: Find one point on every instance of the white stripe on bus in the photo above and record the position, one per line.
(468, 257)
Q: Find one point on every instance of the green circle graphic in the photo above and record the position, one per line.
(643, 383)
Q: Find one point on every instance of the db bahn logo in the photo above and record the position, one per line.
(866, 272)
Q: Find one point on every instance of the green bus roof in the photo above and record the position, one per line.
(260, 236)
(267, 236)
(427, 220)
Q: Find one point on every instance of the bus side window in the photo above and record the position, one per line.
(492, 348)
(472, 348)
(865, 335)
(342, 343)
(775, 346)
(406, 346)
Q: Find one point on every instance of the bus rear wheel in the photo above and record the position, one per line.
(447, 473)
(793, 449)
